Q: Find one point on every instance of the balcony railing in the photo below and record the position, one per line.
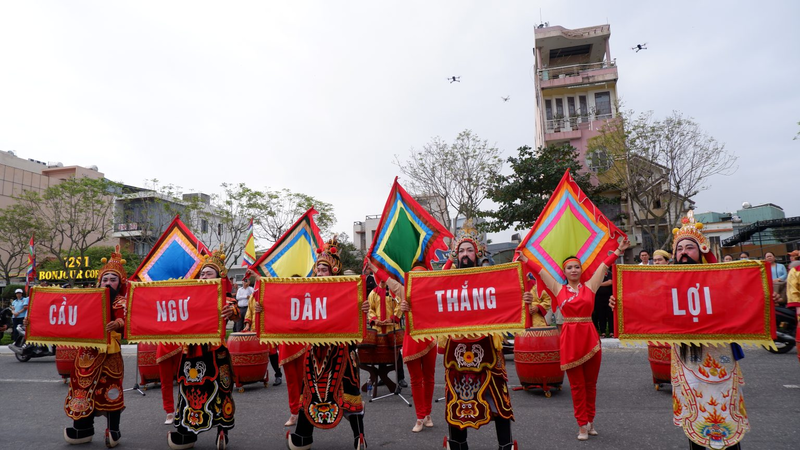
(129, 226)
(575, 70)
(571, 123)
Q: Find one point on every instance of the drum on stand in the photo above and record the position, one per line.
(65, 360)
(659, 356)
(376, 355)
(249, 358)
(537, 359)
(148, 367)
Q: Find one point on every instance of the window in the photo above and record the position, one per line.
(548, 108)
(203, 226)
(219, 229)
(571, 106)
(602, 104)
(584, 108)
(559, 108)
(597, 160)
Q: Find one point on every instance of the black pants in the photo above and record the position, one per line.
(603, 316)
(14, 322)
(304, 432)
(693, 446)
(501, 425)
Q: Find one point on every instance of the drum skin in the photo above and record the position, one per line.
(379, 348)
(659, 357)
(537, 358)
(65, 359)
(249, 359)
(148, 368)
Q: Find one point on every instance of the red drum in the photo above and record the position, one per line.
(659, 357)
(379, 348)
(537, 359)
(65, 361)
(148, 368)
(249, 358)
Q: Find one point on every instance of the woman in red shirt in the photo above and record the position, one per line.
(580, 343)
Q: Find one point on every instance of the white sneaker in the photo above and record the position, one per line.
(170, 419)
(292, 421)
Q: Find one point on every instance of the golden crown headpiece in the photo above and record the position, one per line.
(116, 265)
(216, 260)
(690, 229)
(467, 233)
(329, 254)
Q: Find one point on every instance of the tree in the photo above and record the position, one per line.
(17, 225)
(352, 258)
(456, 173)
(659, 165)
(284, 207)
(74, 214)
(522, 196)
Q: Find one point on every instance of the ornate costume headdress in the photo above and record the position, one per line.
(467, 233)
(216, 260)
(329, 254)
(690, 229)
(115, 265)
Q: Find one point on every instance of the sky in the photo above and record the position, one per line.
(320, 97)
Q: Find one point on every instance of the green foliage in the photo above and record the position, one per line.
(351, 257)
(72, 215)
(8, 291)
(95, 255)
(17, 225)
(522, 196)
(284, 207)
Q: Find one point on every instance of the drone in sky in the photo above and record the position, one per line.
(454, 79)
(506, 98)
(639, 47)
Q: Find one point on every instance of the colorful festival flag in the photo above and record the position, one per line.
(249, 247)
(177, 254)
(295, 252)
(406, 234)
(570, 225)
(30, 273)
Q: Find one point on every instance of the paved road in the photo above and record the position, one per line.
(631, 414)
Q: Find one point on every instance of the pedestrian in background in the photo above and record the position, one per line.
(242, 298)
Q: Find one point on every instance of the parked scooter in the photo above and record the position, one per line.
(786, 329)
(25, 352)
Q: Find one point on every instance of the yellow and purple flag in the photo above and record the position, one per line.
(249, 248)
(406, 234)
(570, 225)
(295, 252)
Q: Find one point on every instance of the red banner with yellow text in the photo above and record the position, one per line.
(176, 312)
(322, 310)
(695, 304)
(71, 317)
(465, 302)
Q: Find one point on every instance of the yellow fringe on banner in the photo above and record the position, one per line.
(67, 342)
(178, 340)
(468, 333)
(766, 343)
(309, 340)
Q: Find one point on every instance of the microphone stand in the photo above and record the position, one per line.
(397, 389)
(136, 386)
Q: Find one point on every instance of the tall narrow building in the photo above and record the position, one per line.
(576, 86)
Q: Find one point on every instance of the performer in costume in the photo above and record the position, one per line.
(580, 344)
(331, 385)
(420, 356)
(205, 378)
(168, 358)
(707, 400)
(95, 382)
(384, 315)
(476, 388)
(793, 295)
(537, 308)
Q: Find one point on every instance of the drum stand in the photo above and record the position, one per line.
(136, 386)
(397, 389)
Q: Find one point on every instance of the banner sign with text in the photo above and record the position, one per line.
(320, 310)
(176, 312)
(465, 302)
(71, 317)
(695, 304)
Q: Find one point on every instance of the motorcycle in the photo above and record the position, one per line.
(25, 352)
(786, 330)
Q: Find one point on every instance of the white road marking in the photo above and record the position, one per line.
(5, 380)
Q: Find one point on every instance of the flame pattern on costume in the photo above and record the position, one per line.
(204, 394)
(476, 383)
(96, 377)
(331, 387)
(707, 401)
